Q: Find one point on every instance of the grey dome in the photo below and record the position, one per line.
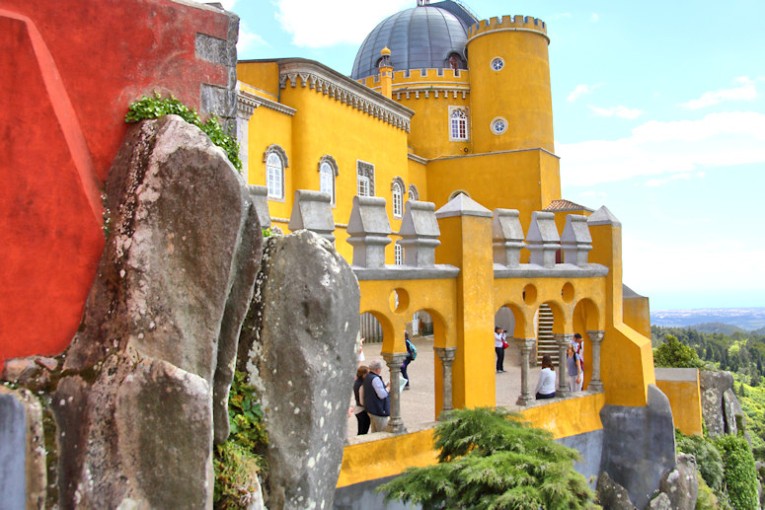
(420, 37)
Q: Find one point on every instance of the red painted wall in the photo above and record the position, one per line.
(68, 72)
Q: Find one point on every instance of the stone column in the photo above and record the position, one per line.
(563, 342)
(525, 345)
(596, 337)
(446, 354)
(394, 361)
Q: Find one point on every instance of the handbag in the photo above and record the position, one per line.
(505, 345)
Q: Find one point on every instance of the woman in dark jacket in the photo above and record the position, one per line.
(361, 414)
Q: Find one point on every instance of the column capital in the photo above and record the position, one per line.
(563, 339)
(394, 359)
(595, 336)
(446, 354)
(525, 343)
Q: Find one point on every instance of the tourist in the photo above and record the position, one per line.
(546, 383)
(573, 369)
(376, 397)
(411, 355)
(499, 348)
(578, 345)
(362, 418)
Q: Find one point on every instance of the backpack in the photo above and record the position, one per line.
(412, 349)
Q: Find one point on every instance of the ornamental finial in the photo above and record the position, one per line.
(420, 3)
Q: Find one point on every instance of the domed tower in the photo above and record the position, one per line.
(510, 96)
(426, 47)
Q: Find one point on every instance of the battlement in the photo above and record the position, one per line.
(505, 23)
(413, 76)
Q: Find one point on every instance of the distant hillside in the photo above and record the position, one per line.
(707, 319)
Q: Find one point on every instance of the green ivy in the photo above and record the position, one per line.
(157, 106)
(239, 460)
(740, 472)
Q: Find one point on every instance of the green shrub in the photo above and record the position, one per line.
(674, 354)
(490, 459)
(238, 461)
(157, 106)
(740, 473)
(708, 458)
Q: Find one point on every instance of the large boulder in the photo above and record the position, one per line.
(298, 347)
(639, 445)
(153, 359)
(735, 418)
(713, 386)
(611, 495)
(681, 485)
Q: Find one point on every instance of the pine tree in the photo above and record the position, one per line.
(489, 459)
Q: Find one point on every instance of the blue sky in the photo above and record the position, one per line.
(659, 114)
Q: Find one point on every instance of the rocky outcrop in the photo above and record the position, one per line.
(713, 387)
(681, 485)
(159, 336)
(639, 445)
(611, 495)
(298, 347)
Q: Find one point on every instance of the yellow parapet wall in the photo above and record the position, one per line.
(392, 455)
(682, 388)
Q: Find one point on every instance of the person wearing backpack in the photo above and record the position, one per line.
(411, 355)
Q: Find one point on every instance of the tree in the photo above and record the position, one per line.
(674, 354)
(489, 459)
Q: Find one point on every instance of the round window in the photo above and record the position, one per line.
(497, 63)
(498, 126)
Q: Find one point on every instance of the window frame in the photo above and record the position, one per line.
(365, 175)
(328, 163)
(459, 128)
(397, 189)
(275, 153)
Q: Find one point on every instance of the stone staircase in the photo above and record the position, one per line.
(545, 341)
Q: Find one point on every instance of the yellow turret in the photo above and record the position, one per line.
(386, 73)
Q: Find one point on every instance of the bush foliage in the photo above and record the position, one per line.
(157, 106)
(674, 354)
(489, 459)
(740, 472)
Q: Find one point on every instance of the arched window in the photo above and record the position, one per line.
(458, 192)
(458, 123)
(365, 179)
(413, 193)
(276, 161)
(398, 254)
(327, 174)
(397, 192)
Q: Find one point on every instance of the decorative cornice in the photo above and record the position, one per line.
(245, 104)
(316, 76)
(436, 92)
(417, 159)
(273, 105)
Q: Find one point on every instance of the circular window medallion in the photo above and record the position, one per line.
(497, 63)
(498, 125)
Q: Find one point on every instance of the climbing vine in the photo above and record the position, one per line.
(157, 106)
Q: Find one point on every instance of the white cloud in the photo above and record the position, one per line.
(621, 112)
(579, 91)
(249, 40)
(594, 17)
(319, 24)
(657, 149)
(682, 176)
(746, 91)
(227, 4)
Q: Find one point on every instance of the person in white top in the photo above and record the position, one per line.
(547, 378)
(578, 345)
(499, 348)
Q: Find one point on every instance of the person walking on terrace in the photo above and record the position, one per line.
(547, 378)
(573, 369)
(578, 345)
(376, 397)
(499, 347)
(411, 355)
(362, 418)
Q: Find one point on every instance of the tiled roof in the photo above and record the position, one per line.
(566, 205)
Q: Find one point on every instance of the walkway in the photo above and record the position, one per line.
(418, 403)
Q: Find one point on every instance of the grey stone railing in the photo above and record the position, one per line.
(543, 240)
(368, 231)
(313, 211)
(419, 234)
(507, 235)
(576, 240)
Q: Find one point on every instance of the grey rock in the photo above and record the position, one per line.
(140, 435)
(735, 418)
(300, 338)
(713, 386)
(661, 502)
(611, 495)
(179, 266)
(639, 445)
(32, 372)
(681, 485)
(23, 475)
